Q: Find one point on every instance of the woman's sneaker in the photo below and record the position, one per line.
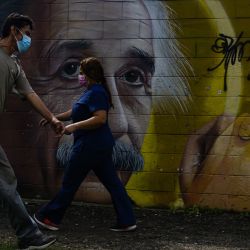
(45, 223)
(124, 228)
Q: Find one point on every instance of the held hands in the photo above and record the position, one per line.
(56, 125)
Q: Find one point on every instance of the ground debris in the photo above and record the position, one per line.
(87, 227)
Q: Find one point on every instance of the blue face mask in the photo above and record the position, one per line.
(24, 44)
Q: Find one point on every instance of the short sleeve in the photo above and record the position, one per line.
(22, 85)
(98, 101)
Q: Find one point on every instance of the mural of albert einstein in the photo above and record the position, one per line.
(144, 68)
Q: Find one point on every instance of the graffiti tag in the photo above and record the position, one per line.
(232, 49)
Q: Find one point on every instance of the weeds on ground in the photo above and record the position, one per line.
(196, 210)
(7, 246)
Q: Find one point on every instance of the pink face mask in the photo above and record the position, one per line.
(82, 80)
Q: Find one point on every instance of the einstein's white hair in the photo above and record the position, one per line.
(170, 85)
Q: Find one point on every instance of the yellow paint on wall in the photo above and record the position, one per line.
(154, 199)
(163, 163)
(201, 27)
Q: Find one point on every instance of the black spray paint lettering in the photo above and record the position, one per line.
(232, 50)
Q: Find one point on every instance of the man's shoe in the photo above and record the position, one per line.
(40, 242)
(124, 228)
(46, 223)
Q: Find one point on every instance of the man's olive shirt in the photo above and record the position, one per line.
(12, 78)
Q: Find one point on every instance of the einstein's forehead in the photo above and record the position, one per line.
(119, 29)
(105, 19)
(78, 19)
(80, 10)
(110, 26)
(107, 10)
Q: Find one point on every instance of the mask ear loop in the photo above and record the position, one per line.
(20, 32)
(15, 35)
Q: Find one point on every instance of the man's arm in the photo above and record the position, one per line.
(41, 108)
(23, 88)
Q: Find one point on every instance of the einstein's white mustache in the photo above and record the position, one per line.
(125, 157)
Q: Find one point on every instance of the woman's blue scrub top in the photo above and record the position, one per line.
(93, 99)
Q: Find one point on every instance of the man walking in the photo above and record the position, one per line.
(16, 37)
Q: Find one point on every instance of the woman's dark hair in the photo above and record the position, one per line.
(92, 68)
(17, 20)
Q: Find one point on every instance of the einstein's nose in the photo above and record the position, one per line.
(117, 117)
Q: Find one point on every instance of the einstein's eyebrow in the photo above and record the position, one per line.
(144, 57)
(59, 47)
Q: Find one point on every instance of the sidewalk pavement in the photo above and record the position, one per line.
(86, 226)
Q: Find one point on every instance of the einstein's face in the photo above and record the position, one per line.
(119, 35)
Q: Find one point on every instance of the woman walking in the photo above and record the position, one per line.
(92, 150)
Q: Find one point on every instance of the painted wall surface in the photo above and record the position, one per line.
(180, 80)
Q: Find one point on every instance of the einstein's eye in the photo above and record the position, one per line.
(133, 76)
(70, 69)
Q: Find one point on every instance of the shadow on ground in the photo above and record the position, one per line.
(87, 227)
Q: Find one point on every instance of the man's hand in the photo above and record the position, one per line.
(43, 122)
(56, 125)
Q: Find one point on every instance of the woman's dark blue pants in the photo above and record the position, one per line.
(81, 162)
